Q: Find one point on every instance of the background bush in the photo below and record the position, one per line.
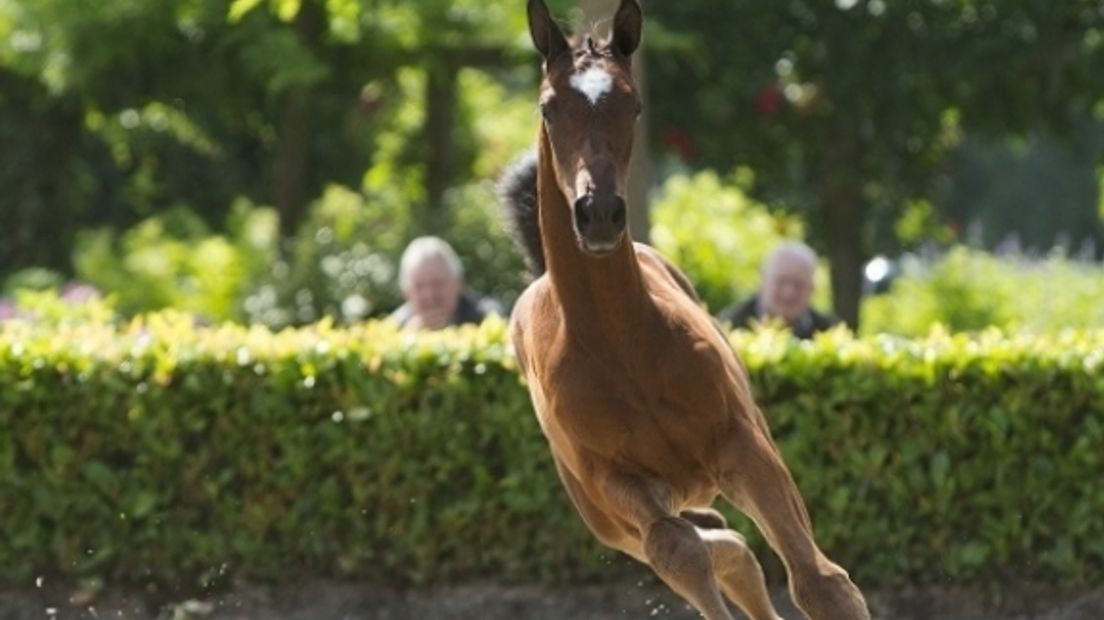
(967, 290)
(172, 260)
(163, 454)
(341, 263)
(719, 236)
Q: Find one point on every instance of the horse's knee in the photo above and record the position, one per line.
(673, 547)
(828, 594)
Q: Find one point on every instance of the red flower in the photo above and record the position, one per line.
(679, 141)
(769, 100)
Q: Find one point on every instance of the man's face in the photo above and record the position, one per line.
(787, 287)
(433, 292)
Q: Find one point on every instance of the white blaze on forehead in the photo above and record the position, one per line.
(593, 83)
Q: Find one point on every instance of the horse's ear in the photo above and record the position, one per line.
(626, 27)
(547, 36)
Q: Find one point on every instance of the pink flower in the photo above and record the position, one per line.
(7, 310)
(77, 293)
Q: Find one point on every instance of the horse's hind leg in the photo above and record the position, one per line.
(734, 564)
(739, 573)
(757, 481)
(671, 545)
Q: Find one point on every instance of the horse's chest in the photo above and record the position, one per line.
(585, 399)
(668, 400)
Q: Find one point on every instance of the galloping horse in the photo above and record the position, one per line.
(647, 411)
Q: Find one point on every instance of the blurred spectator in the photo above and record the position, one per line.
(784, 293)
(432, 281)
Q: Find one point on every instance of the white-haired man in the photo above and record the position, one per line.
(432, 281)
(784, 293)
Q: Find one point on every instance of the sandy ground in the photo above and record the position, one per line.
(330, 601)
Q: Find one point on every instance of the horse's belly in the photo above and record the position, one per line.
(656, 443)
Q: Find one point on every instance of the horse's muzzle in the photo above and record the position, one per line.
(600, 222)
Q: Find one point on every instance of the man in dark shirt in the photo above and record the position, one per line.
(432, 281)
(784, 294)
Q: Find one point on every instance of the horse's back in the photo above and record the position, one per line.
(647, 255)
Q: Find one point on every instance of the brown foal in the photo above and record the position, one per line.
(647, 411)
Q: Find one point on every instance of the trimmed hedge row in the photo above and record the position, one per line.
(160, 454)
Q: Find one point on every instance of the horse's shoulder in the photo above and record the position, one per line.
(529, 311)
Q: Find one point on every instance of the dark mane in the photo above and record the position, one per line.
(517, 192)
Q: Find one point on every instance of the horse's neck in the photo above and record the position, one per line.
(603, 296)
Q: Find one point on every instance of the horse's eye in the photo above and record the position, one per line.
(639, 109)
(546, 110)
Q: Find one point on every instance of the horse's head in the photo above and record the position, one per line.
(590, 105)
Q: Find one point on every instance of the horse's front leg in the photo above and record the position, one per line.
(757, 481)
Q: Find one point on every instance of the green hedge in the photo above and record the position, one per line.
(160, 454)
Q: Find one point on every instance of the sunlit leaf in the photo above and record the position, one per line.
(239, 8)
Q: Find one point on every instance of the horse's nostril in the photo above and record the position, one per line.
(619, 214)
(582, 218)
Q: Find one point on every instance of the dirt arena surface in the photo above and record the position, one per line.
(344, 601)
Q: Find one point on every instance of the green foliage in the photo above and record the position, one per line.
(190, 453)
(53, 176)
(950, 459)
(45, 308)
(804, 80)
(846, 110)
(492, 264)
(33, 278)
(171, 260)
(343, 262)
(1038, 189)
(718, 235)
(919, 225)
(503, 122)
(396, 174)
(142, 107)
(971, 290)
(497, 124)
(1100, 192)
(162, 454)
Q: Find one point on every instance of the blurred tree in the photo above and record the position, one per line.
(1031, 193)
(52, 175)
(198, 102)
(846, 109)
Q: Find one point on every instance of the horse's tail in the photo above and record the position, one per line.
(517, 191)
